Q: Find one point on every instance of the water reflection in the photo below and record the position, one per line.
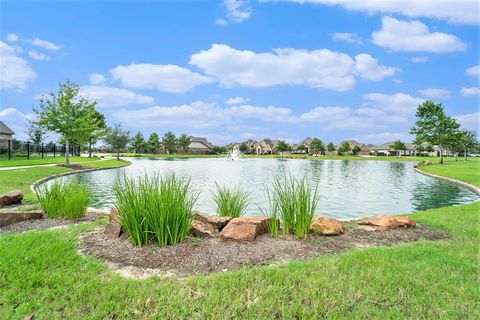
(349, 189)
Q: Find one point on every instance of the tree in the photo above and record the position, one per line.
(117, 139)
(355, 150)
(434, 126)
(170, 142)
(331, 147)
(67, 114)
(429, 148)
(463, 141)
(184, 141)
(316, 146)
(153, 142)
(281, 147)
(344, 147)
(301, 147)
(100, 131)
(138, 142)
(244, 148)
(397, 146)
(219, 149)
(35, 132)
(420, 149)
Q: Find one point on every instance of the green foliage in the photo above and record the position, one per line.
(317, 146)
(244, 148)
(153, 142)
(356, 149)
(35, 132)
(184, 142)
(219, 149)
(154, 209)
(231, 203)
(331, 147)
(398, 146)
(64, 200)
(282, 146)
(138, 142)
(344, 147)
(170, 142)
(293, 201)
(68, 114)
(117, 139)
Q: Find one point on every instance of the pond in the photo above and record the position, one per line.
(348, 188)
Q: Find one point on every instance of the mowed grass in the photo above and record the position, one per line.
(467, 171)
(47, 160)
(41, 274)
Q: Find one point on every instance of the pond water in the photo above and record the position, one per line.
(349, 189)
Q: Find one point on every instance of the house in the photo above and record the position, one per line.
(385, 150)
(364, 149)
(306, 146)
(266, 146)
(5, 132)
(199, 145)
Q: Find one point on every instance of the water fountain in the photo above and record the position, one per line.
(235, 154)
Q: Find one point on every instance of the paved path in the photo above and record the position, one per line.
(45, 165)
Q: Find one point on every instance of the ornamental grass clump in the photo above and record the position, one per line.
(293, 202)
(64, 200)
(155, 209)
(231, 203)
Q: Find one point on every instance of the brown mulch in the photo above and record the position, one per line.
(203, 256)
(73, 166)
(47, 223)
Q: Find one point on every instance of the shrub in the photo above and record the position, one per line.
(65, 200)
(294, 202)
(231, 203)
(154, 209)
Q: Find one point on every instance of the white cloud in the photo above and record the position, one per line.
(165, 78)
(398, 35)
(368, 67)
(113, 97)
(326, 114)
(469, 121)
(318, 68)
(15, 73)
(38, 55)
(472, 91)
(45, 44)
(435, 93)
(236, 100)
(265, 114)
(419, 59)
(398, 103)
(221, 22)
(97, 78)
(458, 11)
(237, 10)
(12, 37)
(473, 71)
(347, 37)
(12, 114)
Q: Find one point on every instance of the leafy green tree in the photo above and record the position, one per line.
(420, 149)
(219, 149)
(244, 148)
(117, 139)
(434, 126)
(397, 146)
(344, 147)
(184, 141)
(331, 147)
(317, 146)
(430, 148)
(170, 142)
(301, 147)
(355, 150)
(469, 141)
(35, 132)
(138, 142)
(282, 147)
(67, 113)
(153, 142)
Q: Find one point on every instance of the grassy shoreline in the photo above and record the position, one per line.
(46, 160)
(45, 276)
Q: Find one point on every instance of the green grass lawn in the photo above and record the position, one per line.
(467, 171)
(46, 160)
(42, 274)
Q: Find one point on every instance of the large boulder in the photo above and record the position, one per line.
(384, 222)
(326, 226)
(202, 229)
(245, 229)
(218, 222)
(8, 218)
(12, 197)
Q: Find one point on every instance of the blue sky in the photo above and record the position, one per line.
(233, 70)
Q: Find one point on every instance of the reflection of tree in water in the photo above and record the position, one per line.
(316, 169)
(396, 172)
(436, 194)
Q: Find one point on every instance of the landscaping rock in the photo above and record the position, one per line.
(384, 222)
(326, 226)
(245, 229)
(8, 218)
(114, 228)
(12, 197)
(113, 216)
(202, 229)
(218, 222)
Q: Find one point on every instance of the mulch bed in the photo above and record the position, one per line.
(73, 166)
(204, 256)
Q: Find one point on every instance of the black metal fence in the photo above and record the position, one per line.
(16, 149)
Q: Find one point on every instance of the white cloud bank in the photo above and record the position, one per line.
(237, 10)
(470, 121)
(435, 93)
(346, 37)
(15, 73)
(398, 35)
(113, 97)
(317, 68)
(236, 100)
(471, 91)
(473, 71)
(34, 54)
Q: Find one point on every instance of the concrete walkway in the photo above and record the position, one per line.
(46, 165)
